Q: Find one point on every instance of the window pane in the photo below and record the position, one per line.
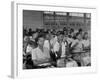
(48, 12)
(76, 14)
(88, 15)
(61, 13)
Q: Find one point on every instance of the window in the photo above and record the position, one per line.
(61, 13)
(88, 15)
(76, 14)
(48, 12)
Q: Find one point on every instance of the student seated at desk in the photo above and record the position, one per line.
(86, 42)
(31, 45)
(86, 57)
(77, 43)
(77, 48)
(47, 41)
(40, 55)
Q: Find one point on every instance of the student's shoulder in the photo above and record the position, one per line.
(45, 48)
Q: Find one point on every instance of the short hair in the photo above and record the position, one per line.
(72, 30)
(64, 28)
(69, 36)
(40, 36)
(77, 34)
(80, 30)
(30, 43)
(61, 32)
(85, 33)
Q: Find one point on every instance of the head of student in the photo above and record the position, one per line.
(40, 40)
(65, 32)
(85, 36)
(78, 36)
(61, 36)
(47, 36)
(71, 30)
(80, 30)
(34, 35)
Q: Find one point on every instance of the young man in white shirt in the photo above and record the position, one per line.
(40, 55)
(62, 51)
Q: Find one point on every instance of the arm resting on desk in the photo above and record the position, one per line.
(37, 62)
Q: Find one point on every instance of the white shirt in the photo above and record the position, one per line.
(78, 46)
(69, 40)
(86, 43)
(74, 42)
(47, 44)
(56, 47)
(53, 40)
(63, 49)
(86, 58)
(37, 54)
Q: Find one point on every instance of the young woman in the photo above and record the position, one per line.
(86, 57)
(77, 48)
(77, 43)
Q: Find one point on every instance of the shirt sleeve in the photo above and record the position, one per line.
(34, 54)
(74, 43)
(47, 53)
